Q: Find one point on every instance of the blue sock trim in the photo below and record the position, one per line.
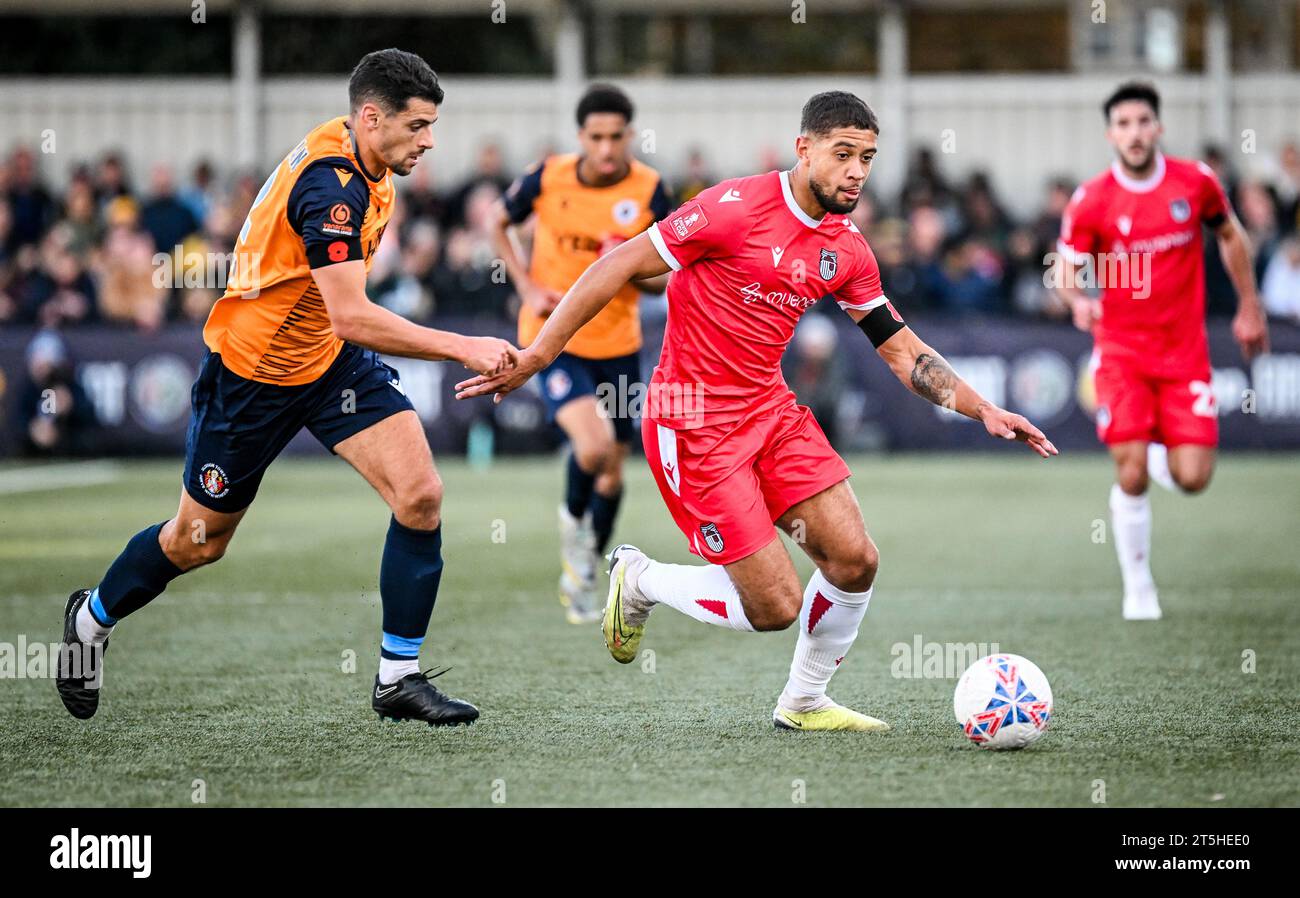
(102, 617)
(402, 646)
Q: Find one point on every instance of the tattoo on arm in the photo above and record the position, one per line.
(933, 379)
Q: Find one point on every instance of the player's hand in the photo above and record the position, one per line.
(487, 355)
(1008, 426)
(541, 300)
(1250, 330)
(1087, 312)
(504, 382)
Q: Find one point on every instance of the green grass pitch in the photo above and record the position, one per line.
(236, 677)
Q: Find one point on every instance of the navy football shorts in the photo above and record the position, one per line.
(571, 377)
(239, 426)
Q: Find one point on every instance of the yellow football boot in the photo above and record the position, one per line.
(624, 606)
(832, 717)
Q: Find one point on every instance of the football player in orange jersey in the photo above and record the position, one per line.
(294, 343)
(585, 204)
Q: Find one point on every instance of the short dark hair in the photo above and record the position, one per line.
(604, 98)
(833, 109)
(390, 78)
(1143, 91)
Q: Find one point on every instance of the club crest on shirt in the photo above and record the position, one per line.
(1180, 210)
(626, 211)
(712, 537)
(829, 264)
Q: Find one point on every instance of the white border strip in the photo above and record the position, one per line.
(798, 213)
(35, 478)
(657, 238)
(866, 306)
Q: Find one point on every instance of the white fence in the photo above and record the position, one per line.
(1021, 129)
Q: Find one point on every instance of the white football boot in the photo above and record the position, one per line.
(577, 568)
(1142, 603)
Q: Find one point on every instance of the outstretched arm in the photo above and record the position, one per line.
(633, 260)
(923, 371)
(358, 320)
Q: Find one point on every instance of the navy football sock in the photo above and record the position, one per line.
(579, 488)
(137, 577)
(604, 509)
(408, 586)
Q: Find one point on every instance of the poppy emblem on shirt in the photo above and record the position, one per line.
(829, 264)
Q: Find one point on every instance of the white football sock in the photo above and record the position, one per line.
(89, 629)
(1130, 518)
(392, 670)
(704, 592)
(828, 624)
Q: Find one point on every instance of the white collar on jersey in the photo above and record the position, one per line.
(1143, 185)
(793, 206)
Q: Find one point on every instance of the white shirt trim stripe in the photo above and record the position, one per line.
(864, 306)
(1145, 185)
(790, 204)
(657, 238)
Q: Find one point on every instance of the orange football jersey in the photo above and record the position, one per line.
(320, 206)
(576, 224)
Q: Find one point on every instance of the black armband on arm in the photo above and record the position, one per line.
(341, 249)
(880, 324)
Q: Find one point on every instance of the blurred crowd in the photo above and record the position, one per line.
(90, 253)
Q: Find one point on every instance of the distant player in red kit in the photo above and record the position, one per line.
(732, 453)
(1139, 224)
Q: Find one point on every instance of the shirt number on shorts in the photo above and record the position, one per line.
(1203, 403)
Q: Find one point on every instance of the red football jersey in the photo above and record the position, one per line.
(747, 263)
(1145, 237)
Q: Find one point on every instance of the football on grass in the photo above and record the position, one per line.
(1002, 702)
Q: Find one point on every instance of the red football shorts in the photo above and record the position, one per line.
(1134, 405)
(726, 484)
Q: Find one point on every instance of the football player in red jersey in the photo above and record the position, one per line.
(1138, 225)
(733, 455)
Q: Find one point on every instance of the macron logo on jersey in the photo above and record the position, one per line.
(731, 196)
(777, 253)
(690, 220)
